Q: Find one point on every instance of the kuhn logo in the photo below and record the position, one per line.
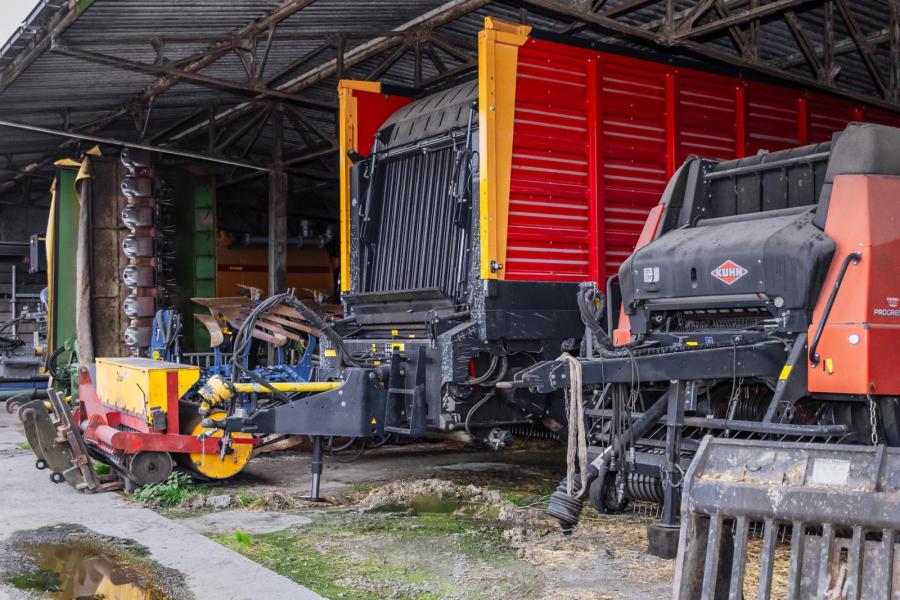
(729, 272)
(892, 302)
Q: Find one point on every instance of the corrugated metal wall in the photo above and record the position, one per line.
(598, 135)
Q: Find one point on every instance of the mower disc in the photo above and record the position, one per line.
(150, 467)
(211, 465)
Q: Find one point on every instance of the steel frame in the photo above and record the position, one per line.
(232, 130)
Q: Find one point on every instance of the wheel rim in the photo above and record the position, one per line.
(210, 464)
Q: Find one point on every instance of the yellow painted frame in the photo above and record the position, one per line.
(347, 134)
(498, 55)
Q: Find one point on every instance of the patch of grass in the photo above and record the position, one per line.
(377, 555)
(527, 496)
(331, 572)
(296, 559)
(242, 538)
(167, 494)
(365, 488)
(25, 446)
(518, 498)
(101, 468)
(246, 499)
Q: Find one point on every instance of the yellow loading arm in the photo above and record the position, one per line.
(218, 390)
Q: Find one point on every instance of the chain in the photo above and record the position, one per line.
(737, 388)
(873, 419)
(666, 478)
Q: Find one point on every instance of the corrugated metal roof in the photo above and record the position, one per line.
(57, 90)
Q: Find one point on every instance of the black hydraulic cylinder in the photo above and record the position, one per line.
(316, 469)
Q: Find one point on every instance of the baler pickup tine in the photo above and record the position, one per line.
(855, 562)
(888, 538)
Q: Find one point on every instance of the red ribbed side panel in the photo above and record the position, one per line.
(707, 114)
(548, 230)
(597, 136)
(772, 118)
(827, 115)
(877, 115)
(632, 116)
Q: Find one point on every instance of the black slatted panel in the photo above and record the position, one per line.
(418, 245)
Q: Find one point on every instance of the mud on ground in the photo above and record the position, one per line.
(436, 522)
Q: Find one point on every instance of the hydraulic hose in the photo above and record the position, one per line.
(591, 306)
(243, 337)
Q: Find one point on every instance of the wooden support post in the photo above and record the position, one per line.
(277, 208)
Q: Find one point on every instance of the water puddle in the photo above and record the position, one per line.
(85, 571)
(434, 503)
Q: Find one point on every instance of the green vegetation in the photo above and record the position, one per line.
(365, 488)
(242, 538)
(101, 468)
(246, 499)
(343, 554)
(167, 494)
(25, 446)
(41, 580)
(528, 496)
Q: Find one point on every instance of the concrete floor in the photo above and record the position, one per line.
(525, 463)
(603, 555)
(30, 501)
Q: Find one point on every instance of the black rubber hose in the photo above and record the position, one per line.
(51, 366)
(590, 312)
(336, 340)
(243, 337)
(567, 509)
(490, 371)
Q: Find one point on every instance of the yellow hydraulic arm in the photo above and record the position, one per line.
(218, 390)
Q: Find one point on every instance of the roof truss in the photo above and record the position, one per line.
(296, 97)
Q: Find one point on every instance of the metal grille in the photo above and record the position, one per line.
(828, 516)
(417, 245)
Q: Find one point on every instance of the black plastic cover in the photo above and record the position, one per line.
(779, 254)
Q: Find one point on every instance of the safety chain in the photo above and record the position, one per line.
(667, 480)
(732, 403)
(873, 419)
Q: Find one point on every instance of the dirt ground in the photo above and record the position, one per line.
(431, 521)
(422, 521)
